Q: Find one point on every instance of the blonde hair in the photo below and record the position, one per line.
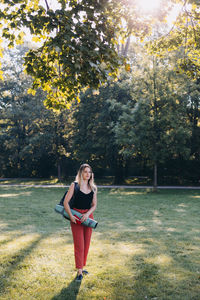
(79, 177)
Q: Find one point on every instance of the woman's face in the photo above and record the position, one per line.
(86, 174)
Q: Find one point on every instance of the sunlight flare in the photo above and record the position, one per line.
(149, 6)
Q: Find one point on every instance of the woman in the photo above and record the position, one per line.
(85, 202)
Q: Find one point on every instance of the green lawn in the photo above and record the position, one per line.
(146, 246)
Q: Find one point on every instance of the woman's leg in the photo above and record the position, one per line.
(78, 237)
(87, 239)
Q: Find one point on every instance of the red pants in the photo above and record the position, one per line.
(81, 236)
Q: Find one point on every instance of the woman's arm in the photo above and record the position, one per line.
(92, 209)
(66, 202)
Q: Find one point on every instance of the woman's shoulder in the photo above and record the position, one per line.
(94, 189)
(74, 186)
(74, 183)
(71, 187)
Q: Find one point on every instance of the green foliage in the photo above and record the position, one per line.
(185, 36)
(95, 116)
(148, 115)
(77, 44)
(157, 126)
(155, 138)
(33, 140)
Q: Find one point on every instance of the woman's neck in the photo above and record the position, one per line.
(84, 183)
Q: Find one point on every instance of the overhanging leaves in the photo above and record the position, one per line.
(78, 42)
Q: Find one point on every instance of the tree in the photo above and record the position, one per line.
(77, 42)
(94, 118)
(156, 127)
(184, 36)
(77, 39)
(33, 140)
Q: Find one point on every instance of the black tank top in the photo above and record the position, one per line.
(82, 200)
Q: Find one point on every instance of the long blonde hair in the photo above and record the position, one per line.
(79, 177)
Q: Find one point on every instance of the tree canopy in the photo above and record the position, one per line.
(184, 35)
(150, 115)
(77, 42)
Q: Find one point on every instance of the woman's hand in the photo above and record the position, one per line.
(73, 219)
(84, 217)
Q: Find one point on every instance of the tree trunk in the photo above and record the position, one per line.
(119, 172)
(119, 177)
(59, 172)
(125, 52)
(155, 178)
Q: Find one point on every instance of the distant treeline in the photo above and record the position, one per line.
(147, 121)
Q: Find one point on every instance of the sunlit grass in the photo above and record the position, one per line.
(105, 180)
(29, 181)
(146, 246)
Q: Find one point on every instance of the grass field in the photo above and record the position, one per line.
(146, 246)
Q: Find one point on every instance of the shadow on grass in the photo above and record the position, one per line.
(10, 239)
(159, 275)
(69, 293)
(30, 210)
(150, 284)
(14, 262)
(149, 281)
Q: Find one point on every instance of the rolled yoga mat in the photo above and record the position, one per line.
(89, 222)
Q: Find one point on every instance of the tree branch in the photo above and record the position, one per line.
(47, 4)
(177, 18)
